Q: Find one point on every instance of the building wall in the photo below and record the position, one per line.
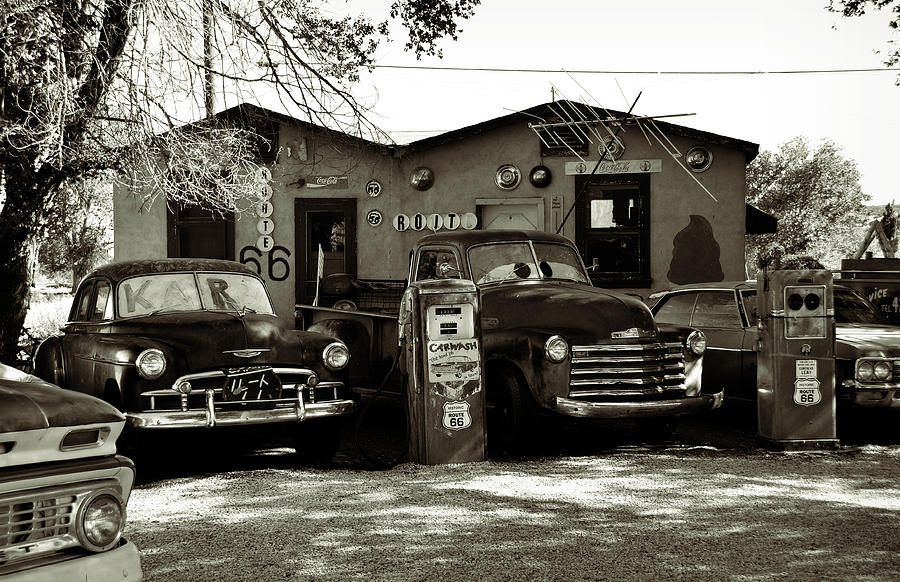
(708, 231)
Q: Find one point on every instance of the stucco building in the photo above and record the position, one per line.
(665, 205)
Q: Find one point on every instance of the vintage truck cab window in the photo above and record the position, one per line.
(515, 261)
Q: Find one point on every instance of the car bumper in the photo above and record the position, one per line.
(866, 397)
(211, 416)
(674, 407)
(121, 563)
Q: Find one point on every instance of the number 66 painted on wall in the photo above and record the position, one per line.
(272, 261)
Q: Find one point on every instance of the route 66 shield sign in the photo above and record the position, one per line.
(456, 415)
(806, 391)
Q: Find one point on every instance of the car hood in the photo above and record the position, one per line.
(854, 339)
(201, 337)
(29, 403)
(585, 313)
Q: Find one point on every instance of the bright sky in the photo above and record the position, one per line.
(857, 110)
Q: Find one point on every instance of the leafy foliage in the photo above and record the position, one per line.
(816, 196)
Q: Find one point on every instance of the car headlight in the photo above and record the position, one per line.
(100, 521)
(865, 371)
(336, 356)
(696, 342)
(151, 363)
(556, 349)
(883, 370)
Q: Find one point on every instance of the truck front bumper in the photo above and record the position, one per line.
(213, 416)
(673, 407)
(121, 563)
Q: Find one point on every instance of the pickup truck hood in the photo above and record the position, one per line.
(29, 403)
(854, 339)
(585, 313)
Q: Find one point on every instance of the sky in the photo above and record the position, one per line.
(857, 110)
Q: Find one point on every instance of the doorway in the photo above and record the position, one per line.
(325, 233)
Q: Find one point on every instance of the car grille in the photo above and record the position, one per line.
(38, 523)
(293, 382)
(610, 372)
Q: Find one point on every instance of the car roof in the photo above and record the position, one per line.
(474, 237)
(124, 269)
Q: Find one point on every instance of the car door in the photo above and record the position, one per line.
(716, 313)
(78, 343)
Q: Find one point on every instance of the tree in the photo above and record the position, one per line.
(78, 233)
(851, 8)
(111, 84)
(816, 196)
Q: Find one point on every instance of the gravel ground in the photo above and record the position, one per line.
(596, 504)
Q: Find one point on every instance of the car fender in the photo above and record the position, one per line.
(523, 349)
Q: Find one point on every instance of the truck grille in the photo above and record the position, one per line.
(610, 372)
(41, 522)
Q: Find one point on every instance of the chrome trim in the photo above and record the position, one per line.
(247, 353)
(195, 418)
(674, 407)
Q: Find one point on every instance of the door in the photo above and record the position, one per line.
(325, 239)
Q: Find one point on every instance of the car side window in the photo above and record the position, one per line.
(102, 305)
(430, 261)
(676, 309)
(716, 309)
(82, 304)
(750, 307)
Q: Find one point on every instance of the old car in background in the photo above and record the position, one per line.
(196, 343)
(867, 347)
(63, 488)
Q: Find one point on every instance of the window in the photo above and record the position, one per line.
(82, 304)
(198, 233)
(103, 307)
(716, 309)
(430, 261)
(613, 228)
(750, 307)
(677, 309)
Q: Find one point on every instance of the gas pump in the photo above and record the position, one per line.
(442, 362)
(795, 364)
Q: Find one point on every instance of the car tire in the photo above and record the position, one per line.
(317, 441)
(509, 413)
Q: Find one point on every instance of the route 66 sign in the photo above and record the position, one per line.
(456, 415)
(374, 217)
(806, 391)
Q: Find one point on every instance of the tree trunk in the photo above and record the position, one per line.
(19, 225)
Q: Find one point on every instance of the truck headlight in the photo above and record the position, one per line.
(151, 363)
(556, 349)
(696, 342)
(336, 356)
(100, 522)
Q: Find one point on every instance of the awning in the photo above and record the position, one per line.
(759, 222)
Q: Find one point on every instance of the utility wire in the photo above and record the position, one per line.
(596, 72)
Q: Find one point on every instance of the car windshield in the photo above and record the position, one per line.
(851, 307)
(192, 292)
(498, 262)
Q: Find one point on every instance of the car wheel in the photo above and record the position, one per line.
(49, 364)
(509, 413)
(657, 429)
(317, 441)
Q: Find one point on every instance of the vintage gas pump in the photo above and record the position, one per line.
(442, 362)
(795, 364)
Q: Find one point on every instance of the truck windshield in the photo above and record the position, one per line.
(495, 263)
(180, 292)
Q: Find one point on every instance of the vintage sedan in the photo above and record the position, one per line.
(188, 343)
(63, 488)
(867, 348)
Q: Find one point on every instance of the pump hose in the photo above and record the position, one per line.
(362, 414)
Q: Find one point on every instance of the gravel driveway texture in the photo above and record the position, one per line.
(597, 504)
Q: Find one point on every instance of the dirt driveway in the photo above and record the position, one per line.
(595, 505)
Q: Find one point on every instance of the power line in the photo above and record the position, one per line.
(596, 72)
